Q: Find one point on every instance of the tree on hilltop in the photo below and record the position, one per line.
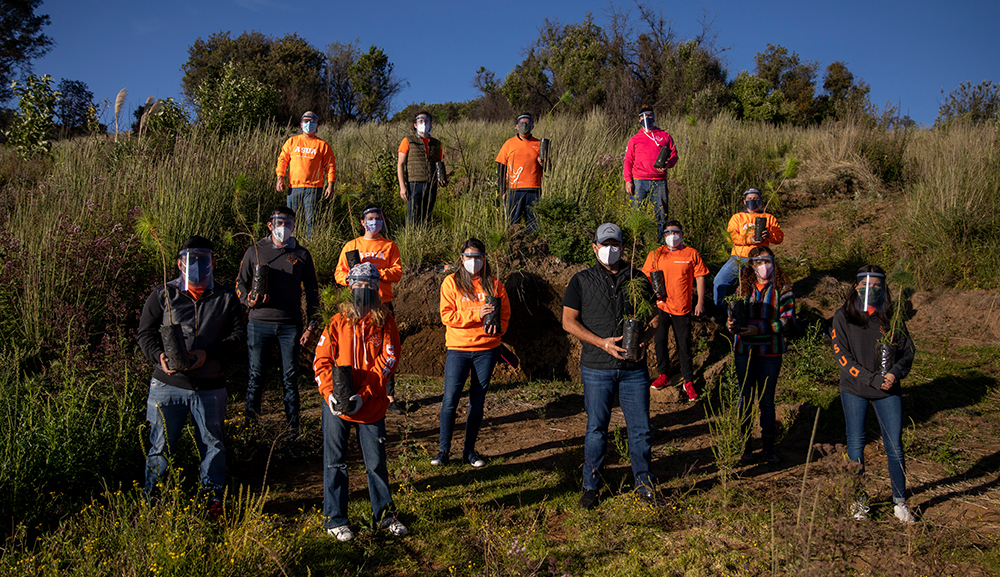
(21, 40)
(979, 103)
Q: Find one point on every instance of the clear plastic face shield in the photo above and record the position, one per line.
(647, 120)
(364, 293)
(423, 124)
(196, 269)
(672, 237)
(282, 226)
(871, 292)
(763, 265)
(473, 261)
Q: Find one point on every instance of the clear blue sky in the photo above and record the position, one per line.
(906, 51)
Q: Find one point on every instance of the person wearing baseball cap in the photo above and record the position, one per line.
(519, 173)
(644, 176)
(307, 159)
(593, 312)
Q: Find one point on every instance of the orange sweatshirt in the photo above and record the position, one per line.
(460, 316)
(371, 350)
(381, 252)
(306, 159)
(741, 227)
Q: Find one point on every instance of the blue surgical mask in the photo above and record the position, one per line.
(309, 127)
(196, 269)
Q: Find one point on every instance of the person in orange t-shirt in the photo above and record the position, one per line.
(384, 254)
(519, 173)
(472, 336)
(741, 230)
(364, 337)
(306, 158)
(680, 265)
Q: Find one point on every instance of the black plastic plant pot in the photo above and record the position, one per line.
(258, 287)
(886, 356)
(543, 150)
(353, 258)
(662, 158)
(738, 313)
(492, 319)
(759, 226)
(440, 173)
(343, 387)
(174, 347)
(659, 286)
(632, 340)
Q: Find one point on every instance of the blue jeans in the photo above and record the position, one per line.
(371, 437)
(167, 409)
(420, 197)
(728, 276)
(303, 202)
(259, 336)
(520, 201)
(758, 376)
(458, 366)
(657, 192)
(599, 389)
(890, 419)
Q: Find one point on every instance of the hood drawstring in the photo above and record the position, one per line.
(355, 361)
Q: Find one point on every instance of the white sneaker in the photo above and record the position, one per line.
(902, 513)
(342, 533)
(393, 525)
(859, 510)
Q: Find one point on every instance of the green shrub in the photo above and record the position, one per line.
(568, 228)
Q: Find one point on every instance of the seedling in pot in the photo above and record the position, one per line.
(759, 226)
(662, 158)
(638, 304)
(902, 279)
(171, 334)
(440, 173)
(491, 320)
(659, 285)
(343, 388)
(737, 311)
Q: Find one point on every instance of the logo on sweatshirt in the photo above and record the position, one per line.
(303, 151)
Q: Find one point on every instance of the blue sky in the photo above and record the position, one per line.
(906, 51)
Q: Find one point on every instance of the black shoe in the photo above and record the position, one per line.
(747, 457)
(396, 409)
(646, 494)
(440, 460)
(589, 500)
(473, 459)
(771, 457)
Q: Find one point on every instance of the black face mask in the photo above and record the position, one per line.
(364, 299)
(752, 204)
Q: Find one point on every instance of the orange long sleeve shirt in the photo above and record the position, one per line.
(306, 159)
(741, 227)
(371, 350)
(460, 316)
(381, 252)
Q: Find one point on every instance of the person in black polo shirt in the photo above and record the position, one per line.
(594, 309)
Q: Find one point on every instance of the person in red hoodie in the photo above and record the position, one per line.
(642, 179)
(359, 345)
(473, 343)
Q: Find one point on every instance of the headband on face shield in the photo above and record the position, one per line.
(869, 296)
(196, 269)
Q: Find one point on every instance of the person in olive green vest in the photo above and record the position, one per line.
(416, 168)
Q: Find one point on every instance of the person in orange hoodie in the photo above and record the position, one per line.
(741, 230)
(472, 336)
(384, 254)
(354, 359)
(307, 159)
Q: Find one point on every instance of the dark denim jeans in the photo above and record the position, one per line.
(259, 336)
(459, 366)
(520, 201)
(303, 201)
(890, 419)
(728, 276)
(420, 198)
(167, 409)
(599, 389)
(656, 191)
(758, 376)
(371, 437)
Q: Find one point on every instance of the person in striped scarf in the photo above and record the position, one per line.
(758, 349)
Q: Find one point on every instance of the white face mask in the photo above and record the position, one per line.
(281, 234)
(609, 255)
(673, 240)
(763, 270)
(473, 265)
(424, 128)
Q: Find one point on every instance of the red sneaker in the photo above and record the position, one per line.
(689, 389)
(660, 383)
